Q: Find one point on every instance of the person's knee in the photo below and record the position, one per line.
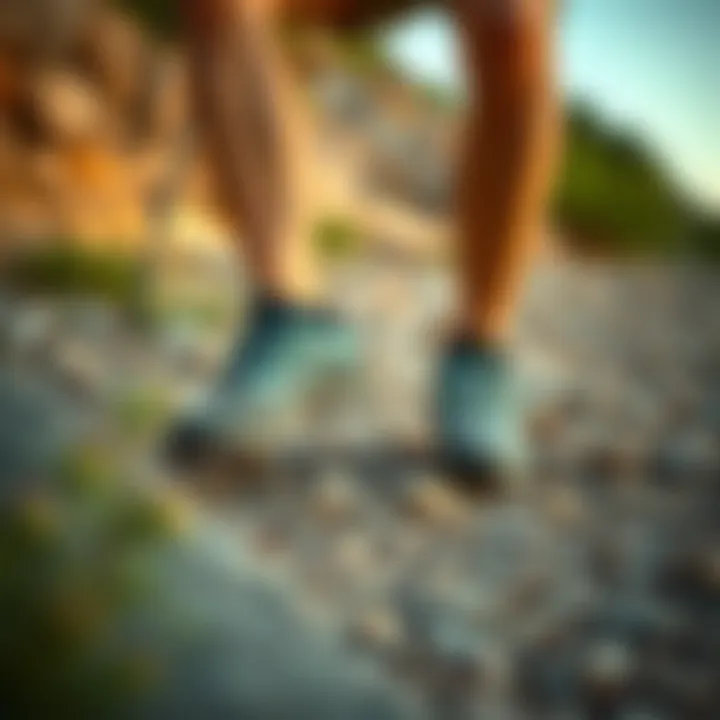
(504, 16)
(506, 40)
(504, 26)
(211, 16)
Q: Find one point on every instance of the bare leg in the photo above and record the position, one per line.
(504, 183)
(256, 132)
(513, 131)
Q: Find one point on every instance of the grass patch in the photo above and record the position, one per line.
(141, 412)
(67, 270)
(336, 237)
(77, 556)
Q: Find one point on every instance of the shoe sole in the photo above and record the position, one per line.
(482, 479)
(274, 443)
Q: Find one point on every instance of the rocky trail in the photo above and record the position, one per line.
(368, 587)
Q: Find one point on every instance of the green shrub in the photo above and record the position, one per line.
(66, 269)
(705, 238)
(614, 193)
(336, 237)
(75, 563)
(160, 17)
(142, 411)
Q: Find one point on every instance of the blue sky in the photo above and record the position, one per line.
(652, 65)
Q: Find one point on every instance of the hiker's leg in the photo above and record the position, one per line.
(513, 130)
(256, 130)
(504, 184)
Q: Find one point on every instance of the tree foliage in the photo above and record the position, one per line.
(614, 194)
(161, 17)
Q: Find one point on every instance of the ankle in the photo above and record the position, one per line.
(484, 328)
(269, 306)
(289, 294)
(481, 338)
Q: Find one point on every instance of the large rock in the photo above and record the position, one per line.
(67, 107)
(41, 27)
(115, 51)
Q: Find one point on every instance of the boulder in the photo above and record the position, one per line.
(38, 28)
(67, 107)
(114, 51)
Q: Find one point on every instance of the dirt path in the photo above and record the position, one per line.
(595, 595)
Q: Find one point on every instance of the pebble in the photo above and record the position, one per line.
(270, 541)
(378, 628)
(354, 555)
(81, 366)
(566, 508)
(498, 669)
(639, 712)
(434, 502)
(335, 498)
(609, 665)
(31, 330)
